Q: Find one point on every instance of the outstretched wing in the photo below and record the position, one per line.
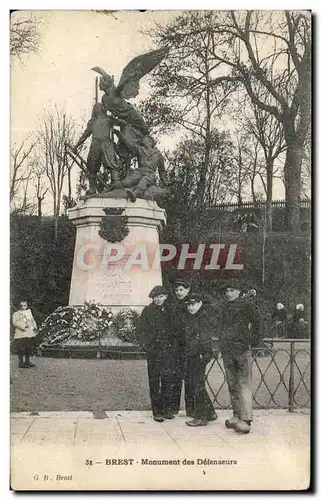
(137, 68)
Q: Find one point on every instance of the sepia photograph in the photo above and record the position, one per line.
(160, 250)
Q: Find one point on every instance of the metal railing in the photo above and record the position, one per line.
(280, 372)
(230, 207)
(280, 376)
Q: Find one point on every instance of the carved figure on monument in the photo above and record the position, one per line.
(150, 161)
(133, 126)
(102, 150)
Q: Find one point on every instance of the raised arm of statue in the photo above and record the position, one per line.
(87, 133)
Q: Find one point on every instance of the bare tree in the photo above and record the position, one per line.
(24, 36)
(270, 54)
(56, 131)
(20, 175)
(39, 184)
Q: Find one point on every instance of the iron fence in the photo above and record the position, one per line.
(280, 376)
(280, 371)
(230, 207)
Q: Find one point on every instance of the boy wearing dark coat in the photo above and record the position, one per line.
(199, 352)
(241, 327)
(178, 311)
(155, 336)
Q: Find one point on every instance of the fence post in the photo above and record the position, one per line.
(98, 354)
(291, 378)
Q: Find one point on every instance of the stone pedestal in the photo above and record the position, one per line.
(117, 274)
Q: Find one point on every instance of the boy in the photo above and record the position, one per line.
(25, 333)
(241, 327)
(199, 352)
(154, 335)
(179, 311)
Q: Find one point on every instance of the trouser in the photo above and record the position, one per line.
(178, 377)
(238, 376)
(195, 381)
(160, 369)
(102, 152)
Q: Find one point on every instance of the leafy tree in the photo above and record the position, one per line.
(185, 96)
(186, 165)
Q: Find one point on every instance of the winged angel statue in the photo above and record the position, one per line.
(133, 138)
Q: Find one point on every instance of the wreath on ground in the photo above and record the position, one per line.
(82, 323)
(125, 325)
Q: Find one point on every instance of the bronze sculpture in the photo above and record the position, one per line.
(101, 151)
(133, 137)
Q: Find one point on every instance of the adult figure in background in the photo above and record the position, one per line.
(24, 335)
(178, 312)
(253, 296)
(299, 323)
(154, 334)
(240, 329)
(199, 352)
(279, 319)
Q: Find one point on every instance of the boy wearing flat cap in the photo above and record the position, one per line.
(154, 335)
(199, 352)
(178, 310)
(241, 327)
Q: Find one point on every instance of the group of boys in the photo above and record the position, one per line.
(176, 332)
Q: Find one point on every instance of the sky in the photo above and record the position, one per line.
(72, 42)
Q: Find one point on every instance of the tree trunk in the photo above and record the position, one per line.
(253, 191)
(39, 206)
(202, 180)
(292, 177)
(269, 193)
(69, 183)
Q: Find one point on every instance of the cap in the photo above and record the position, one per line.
(157, 290)
(181, 282)
(193, 297)
(231, 283)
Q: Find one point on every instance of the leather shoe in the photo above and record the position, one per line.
(231, 423)
(242, 427)
(197, 422)
(212, 417)
(158, 418)
(169, 416)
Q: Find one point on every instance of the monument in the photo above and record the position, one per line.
(116, 257)
(127, 201)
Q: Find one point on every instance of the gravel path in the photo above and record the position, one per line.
(58, 384)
